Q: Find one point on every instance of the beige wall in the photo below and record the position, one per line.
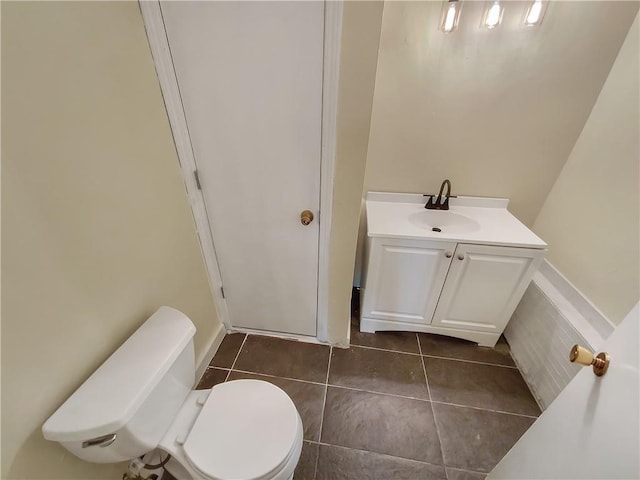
(97, 231)
(591, 218)
(497, 112)
(360, 37)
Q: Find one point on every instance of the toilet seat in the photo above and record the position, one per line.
(247, 429)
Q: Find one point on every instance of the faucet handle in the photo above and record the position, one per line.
(429, 201)
(433, 195)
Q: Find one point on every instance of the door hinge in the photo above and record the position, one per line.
(195, 174)
(222, 292)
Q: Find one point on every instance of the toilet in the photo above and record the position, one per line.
(142, 398)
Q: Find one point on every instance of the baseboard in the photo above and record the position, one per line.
(286, 336)
(206, 356)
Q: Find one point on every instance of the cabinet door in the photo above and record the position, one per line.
(484, 285)
(404, 278)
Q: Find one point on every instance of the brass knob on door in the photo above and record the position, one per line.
(583, 356)
(306, 217)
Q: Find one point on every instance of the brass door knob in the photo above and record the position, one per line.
(583, 356)
(306, 217)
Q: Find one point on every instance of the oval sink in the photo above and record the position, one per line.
(444, 220)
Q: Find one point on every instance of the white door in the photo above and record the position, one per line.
(250, 78)
(404, 278)
(590, 431)
(484, 285)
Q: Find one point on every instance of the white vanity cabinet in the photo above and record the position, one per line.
(484, 285)
(404, 279)
(461, 290)
(459, 273)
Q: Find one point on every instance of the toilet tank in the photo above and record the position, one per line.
(124, 408)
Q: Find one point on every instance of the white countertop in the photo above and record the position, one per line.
(484, 220)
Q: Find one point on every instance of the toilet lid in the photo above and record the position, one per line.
(246, 430)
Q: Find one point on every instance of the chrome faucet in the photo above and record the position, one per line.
(440, 203)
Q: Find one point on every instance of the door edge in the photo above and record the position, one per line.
(163, 62)
(331, 76)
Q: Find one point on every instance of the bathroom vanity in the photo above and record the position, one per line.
(459, 272)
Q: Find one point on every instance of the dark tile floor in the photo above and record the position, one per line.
(393, 406)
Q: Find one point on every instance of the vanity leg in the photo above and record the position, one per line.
(365, 326)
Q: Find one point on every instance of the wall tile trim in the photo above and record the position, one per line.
(551, 317)
(578, 308)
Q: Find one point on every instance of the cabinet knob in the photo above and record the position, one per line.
(460, 257)
(448, 254)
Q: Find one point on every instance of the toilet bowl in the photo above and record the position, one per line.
(141, 398)
(246, 429)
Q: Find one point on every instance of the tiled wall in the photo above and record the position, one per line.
(551, 317)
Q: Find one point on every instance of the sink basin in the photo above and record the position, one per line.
(443, 220)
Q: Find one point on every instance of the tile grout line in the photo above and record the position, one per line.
(353, 389)
(326, 379)
(327, 384)
(325, 444)
(515, 367)
(236, 357)
(435, 356)
(433, 411)
(466, 470)
(324, 403)
(502, 412)
(382, 349)
(433, 401)
(345, 387)
(512, 367)
(277, 376)
(403, 353)
(424, 369)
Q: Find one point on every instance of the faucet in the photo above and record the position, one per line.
(439, 203)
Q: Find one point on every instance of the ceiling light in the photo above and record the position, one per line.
(450, 15)
(533, 15)
(493, 15)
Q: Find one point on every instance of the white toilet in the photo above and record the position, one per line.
(141, 398)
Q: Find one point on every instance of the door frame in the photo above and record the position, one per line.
(161, 53)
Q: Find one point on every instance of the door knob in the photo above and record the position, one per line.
(448, 254)
(583, 356)
(306, 217)
(460, 257)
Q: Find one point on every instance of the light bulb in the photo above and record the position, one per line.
(450, 15)
(535, 12)
(493, 15)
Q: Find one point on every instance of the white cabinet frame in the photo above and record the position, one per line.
(406, 277)
(484, 286)
(414, 285)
